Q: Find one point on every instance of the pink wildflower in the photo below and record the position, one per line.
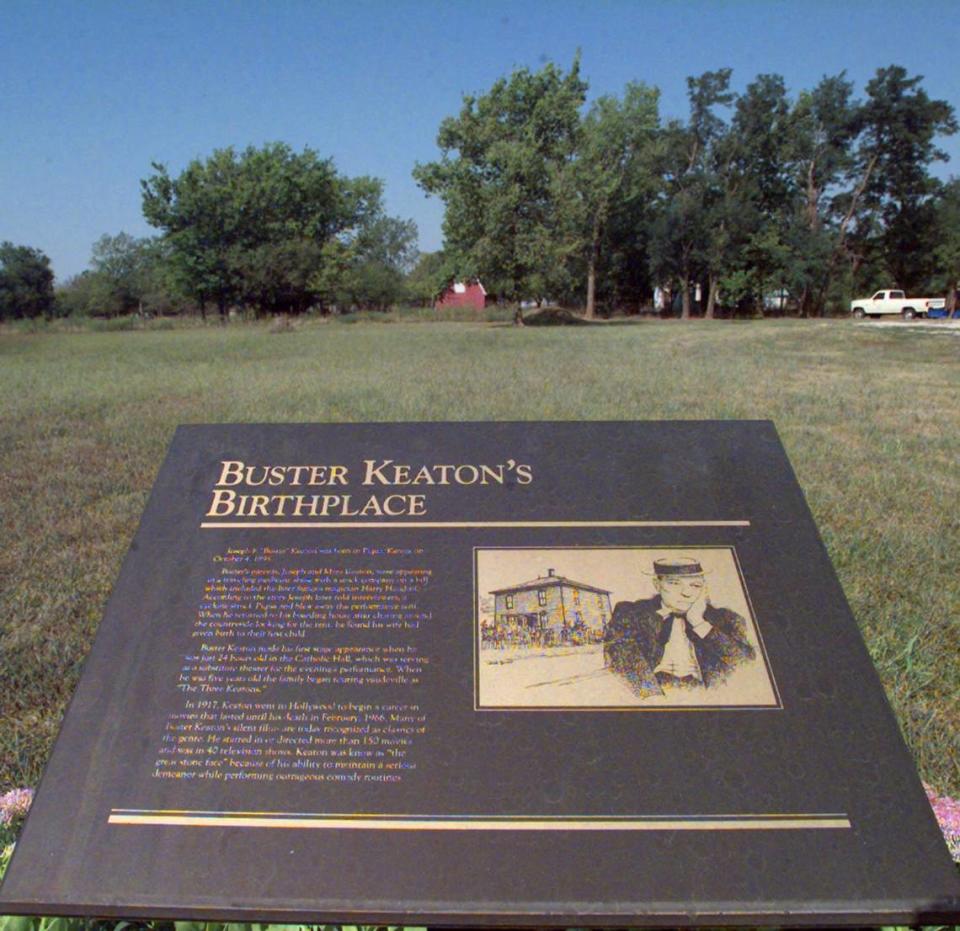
(15, 804)
(947, 811)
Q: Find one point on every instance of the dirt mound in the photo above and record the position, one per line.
(554, 316)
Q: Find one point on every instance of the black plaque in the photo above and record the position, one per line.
(488, 673)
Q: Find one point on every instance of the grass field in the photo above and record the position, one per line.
(870, 415)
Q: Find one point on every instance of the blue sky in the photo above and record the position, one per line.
(91, 93)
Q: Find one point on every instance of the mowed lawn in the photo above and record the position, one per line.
(869, 413)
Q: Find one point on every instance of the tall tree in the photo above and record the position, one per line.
(500, 158)
(947, 252)
(428, 277)
(370, 270)
(249, 228)
(26, 283)
(124, 265)
(825, 125)
(758, 196)
(613, 164)
(891, 201)
(717, 151)
(681, 230)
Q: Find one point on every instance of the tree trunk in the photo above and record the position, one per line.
(813, 198)
(685, 298)
(713, 287)
(842, 234)
(222, 308)
(518, 316)
(951, 304)
(591, 310)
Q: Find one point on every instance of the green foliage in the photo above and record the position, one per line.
(84, 295)
(899, 128)
(947, 250)
(431, 273)
(754, 192)
(499, 161)
(691, 224)
(114, 324)
(611, 179)
(389, 242)
(255, 229)
(26, 283)
(119, 262)
(127, 275)
(6, 853)
(370, 271)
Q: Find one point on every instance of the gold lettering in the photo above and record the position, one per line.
(232, 472)
(423, 477)
(373, 507)
(297, 471)
(524, 474)
(374, 471)
(463, 470)
(490, 472)
(310, 504)
(259, 505)
(445, 471)
(223, 503)
(388, 508)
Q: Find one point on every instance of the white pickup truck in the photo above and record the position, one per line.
(894, 302)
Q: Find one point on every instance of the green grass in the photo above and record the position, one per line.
(870, 416)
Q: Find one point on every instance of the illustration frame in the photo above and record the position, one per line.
(762, 658)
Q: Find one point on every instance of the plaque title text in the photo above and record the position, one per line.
(244, 490)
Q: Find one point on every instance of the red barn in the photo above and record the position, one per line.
(463, 294)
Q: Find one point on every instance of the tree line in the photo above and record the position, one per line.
(754, 195)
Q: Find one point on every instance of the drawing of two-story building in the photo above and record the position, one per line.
(548, 611)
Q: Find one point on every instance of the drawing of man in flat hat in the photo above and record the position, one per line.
(676, 639)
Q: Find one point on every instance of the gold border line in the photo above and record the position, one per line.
(454, 524)
(455, 823)
(410, 816)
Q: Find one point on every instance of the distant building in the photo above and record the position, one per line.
(463, 294)
(549, 610)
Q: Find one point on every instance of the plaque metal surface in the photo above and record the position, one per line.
(552, 674)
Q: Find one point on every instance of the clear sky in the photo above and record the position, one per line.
(92, 93)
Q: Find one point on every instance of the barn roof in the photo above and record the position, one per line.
(544, 581)
(461, 287)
